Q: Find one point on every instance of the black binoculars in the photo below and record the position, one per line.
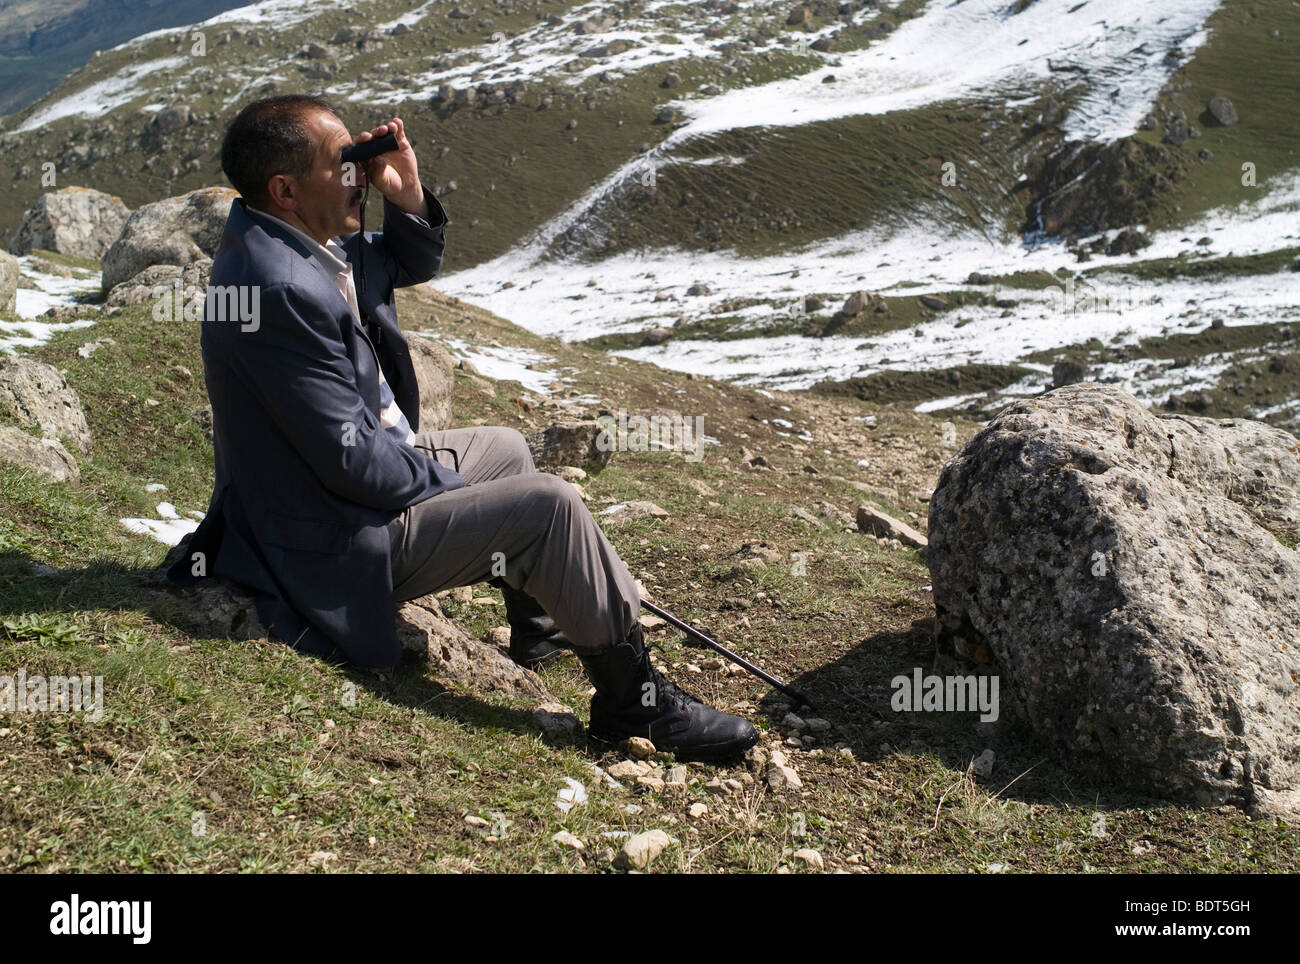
(356, 153)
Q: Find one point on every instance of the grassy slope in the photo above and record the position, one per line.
(1243, 62)
(223, 755)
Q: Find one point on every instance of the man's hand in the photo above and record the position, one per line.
(395, 174)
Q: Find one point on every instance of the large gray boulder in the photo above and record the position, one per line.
(37, 394)
(434, 374)
(78, 221)
(176, 230)
(1130, 576)
(9, 271)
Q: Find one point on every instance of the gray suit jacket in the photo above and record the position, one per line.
(306, 478)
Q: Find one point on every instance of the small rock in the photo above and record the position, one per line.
(639, 748)
(629, 770)
(810, 857)
(635, 509)
(566, 839)
(640, 850)
(696, 810)
(1222, 111)
(322, 859)
(871, 520)
(557, 721)
(781, 778)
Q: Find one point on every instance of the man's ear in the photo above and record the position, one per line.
(281, 192)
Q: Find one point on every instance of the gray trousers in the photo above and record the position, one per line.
(530, 529)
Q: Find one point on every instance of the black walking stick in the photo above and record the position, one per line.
(734, 657)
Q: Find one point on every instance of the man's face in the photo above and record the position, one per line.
(325, 206)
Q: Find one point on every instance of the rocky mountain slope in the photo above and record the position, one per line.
(1017, 184)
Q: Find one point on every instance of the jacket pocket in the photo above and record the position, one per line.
(305, 534)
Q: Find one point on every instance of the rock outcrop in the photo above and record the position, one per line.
(9, 272)
(78, 221)
(160, 280)
(570, 443)
(1131, 576)
(46, 458)
(216, 608)
(176, 230)
(434, 374)
(37, 394)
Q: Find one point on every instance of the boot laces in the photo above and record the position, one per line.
(664, 687)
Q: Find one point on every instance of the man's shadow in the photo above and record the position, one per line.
(220, 612)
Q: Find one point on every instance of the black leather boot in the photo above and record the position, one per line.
(535, 640)
(634, 699)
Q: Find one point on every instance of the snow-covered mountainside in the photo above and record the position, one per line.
(704, 185)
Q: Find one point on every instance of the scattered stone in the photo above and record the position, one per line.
(933, 302)
(696, 810)
(811, 858)
(566, 839)
(703, 488)
(570, 473)
(651, 782)
(1221, 109)
(455, 654)
(636, 509)
(983, 764)
(781, 778)
(629, 769)
(639, 748)
(803, 515)
(556, 721)
(656, 336)
(855, 303)
(641, 850)
(322, 859)
(10, 272)
(875, 522)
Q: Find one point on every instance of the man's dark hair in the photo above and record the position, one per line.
(269, 137)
